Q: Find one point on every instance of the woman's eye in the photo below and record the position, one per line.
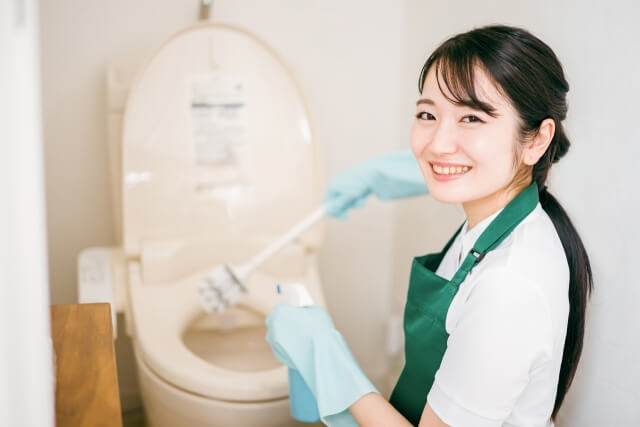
(423, 115)
(472, 119)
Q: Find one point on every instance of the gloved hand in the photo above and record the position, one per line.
(391, 176)
(304, 338)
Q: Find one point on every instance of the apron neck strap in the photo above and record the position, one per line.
(515, 211)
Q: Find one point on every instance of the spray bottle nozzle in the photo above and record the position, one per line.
(295, 294)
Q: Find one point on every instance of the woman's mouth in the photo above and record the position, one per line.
(446, 172)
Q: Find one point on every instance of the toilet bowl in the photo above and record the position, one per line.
(202, 369)
(212, 159)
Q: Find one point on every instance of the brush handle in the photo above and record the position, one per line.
(282, 241)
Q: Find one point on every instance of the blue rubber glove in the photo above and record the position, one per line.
(304, 338)
(391, 176)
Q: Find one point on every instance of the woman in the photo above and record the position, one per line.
(494, 323)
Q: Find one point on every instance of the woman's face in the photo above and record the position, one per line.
(465, 155)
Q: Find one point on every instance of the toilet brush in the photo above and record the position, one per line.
(226, 285)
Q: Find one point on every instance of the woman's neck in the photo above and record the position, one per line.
(480, 209)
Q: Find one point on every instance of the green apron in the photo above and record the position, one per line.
(428, 302)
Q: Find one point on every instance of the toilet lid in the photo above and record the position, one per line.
(216, 143)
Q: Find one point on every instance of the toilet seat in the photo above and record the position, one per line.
(162, 313)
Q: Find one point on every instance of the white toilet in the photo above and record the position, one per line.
(212, 158)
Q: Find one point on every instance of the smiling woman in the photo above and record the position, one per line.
(488, 127)
(494, 322)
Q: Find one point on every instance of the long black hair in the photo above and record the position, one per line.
(529, 74)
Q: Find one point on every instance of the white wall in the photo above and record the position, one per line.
(26, 356)
(357, 64)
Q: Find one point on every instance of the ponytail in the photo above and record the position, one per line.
(580, 276)
(580, 287)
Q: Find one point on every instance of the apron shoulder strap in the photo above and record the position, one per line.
(499, 229)
(451, 240)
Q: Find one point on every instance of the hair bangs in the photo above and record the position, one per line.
(455, 68)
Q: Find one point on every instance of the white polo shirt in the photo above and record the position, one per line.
(507, 327)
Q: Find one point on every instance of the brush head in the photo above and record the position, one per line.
(221, 289)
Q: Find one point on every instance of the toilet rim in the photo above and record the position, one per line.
(159, 325)
(142, 364)
(222, 384)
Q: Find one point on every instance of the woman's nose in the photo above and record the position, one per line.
(443, 139)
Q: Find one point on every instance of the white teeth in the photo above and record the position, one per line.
(450, 170)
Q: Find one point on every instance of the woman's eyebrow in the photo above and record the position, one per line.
(425, 101)
(493, 112)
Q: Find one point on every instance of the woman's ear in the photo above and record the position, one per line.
(535, 148)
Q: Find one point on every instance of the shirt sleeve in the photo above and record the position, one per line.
(504, 333)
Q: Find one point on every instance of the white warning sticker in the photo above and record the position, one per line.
(218, 113)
